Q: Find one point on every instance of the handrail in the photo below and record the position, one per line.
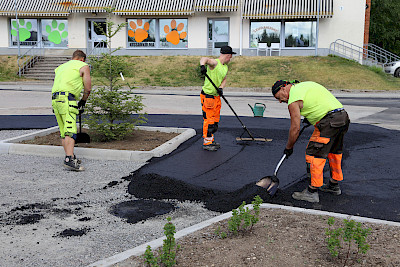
(30, 57)
(360, 54)
(95, 49)
(391, 56)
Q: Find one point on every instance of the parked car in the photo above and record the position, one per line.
(393, 68)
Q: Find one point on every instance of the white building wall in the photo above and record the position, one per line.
(347, 23)
(197, 31)
(4, 31)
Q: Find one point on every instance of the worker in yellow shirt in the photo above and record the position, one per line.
(71, 77)
(331, 122)
(210, 98)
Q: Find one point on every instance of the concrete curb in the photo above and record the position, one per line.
(139, 250)
(9, 146)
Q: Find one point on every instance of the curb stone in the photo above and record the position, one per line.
(10, 146)
(139, 250)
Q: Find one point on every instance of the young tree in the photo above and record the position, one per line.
(110, 106)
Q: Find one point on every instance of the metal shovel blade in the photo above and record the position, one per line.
(270, 183)
(82, 138)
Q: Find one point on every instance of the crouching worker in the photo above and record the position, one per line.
(210, 98)
(71, 77)
(331, 122)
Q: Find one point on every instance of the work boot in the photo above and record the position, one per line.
(331, 188)
(210, 147)
(72, 164)
(217, 145)
(306, 196)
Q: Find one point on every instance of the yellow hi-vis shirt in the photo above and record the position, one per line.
(317, 100)
(68, 78)
(217, 75)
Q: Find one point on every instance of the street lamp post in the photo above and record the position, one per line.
(19, 48)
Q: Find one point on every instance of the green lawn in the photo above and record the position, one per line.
(244, 72)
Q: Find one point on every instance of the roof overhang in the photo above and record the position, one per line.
(216, 6)
(287, 9)
(160, 7)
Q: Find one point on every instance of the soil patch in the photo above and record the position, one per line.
(139, 140)
(281, 238)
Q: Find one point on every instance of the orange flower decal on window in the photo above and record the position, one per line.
(139, 33)
(174, 36)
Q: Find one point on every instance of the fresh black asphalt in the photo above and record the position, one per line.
(223, 179)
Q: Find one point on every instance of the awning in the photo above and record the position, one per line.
(33, 8)
(216, 5)
(89, 5)
(286, 9)
(160, 7)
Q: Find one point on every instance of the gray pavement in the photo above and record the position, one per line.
(36, 180)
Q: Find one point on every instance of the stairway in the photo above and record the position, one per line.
(44, 69)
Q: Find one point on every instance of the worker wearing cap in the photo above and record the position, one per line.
(71, 77)
(216, 69)
(331, 122)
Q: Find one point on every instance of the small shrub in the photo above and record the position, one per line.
(351, 231)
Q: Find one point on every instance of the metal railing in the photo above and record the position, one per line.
(362, 55)
(30, 57)
(97, 50)
(382, 52)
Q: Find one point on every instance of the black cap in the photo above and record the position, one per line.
(278, 85)
(227, 50)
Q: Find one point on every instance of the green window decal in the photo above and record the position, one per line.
(24, 29)
(55, 32)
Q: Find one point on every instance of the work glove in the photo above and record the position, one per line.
(220, 91)
(306, 122)
(203, 69)
(288, 152)
(294, 81)
(81, 104)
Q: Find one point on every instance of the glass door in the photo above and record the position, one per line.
(97, 41)
(218, 35)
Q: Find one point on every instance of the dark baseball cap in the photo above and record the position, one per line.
(227, 50)
(278, 85)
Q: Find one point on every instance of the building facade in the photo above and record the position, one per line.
(182, 27)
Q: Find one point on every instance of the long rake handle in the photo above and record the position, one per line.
(226, 101)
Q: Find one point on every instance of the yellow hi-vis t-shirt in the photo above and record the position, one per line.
(317, 100)
(217, 75)
(68, 78)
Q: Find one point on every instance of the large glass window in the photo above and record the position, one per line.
(173, 33)
(300, 34)
(28, 32)
(264, 32)
(141, 32)
(55, 32)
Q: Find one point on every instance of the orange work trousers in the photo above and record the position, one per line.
(326, 142)
(211, 107)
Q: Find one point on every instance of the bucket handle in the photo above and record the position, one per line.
(261, 104)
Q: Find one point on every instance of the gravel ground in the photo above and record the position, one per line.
(53, 217)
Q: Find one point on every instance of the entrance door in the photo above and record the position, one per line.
(96, 39)
(218, 35)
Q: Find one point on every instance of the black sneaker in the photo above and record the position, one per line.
(333, 189)
(210, 147)
(217, 145)
(72, 164)
(78, 160)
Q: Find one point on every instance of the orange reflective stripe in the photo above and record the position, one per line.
(316, 137)
(317, 170)
(335, 164)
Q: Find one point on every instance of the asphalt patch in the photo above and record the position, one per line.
(73, 232)
(138, 210)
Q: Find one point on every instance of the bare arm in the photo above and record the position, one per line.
(212, 63)
(223, 83)
(295, 120)
(87, 82)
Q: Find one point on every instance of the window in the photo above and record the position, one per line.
(264, 32)
(300, 34)
(157, 33)
(141, 32)
(28, 32)
(55, 32)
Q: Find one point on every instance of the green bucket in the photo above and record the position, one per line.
(258, 109)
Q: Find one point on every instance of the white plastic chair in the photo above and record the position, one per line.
(275, 47)
(262, 47)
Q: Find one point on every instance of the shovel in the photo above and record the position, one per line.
(81, 137)
(271, 183)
